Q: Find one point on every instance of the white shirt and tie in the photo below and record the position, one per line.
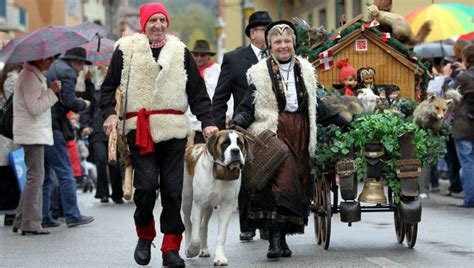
(260, 54)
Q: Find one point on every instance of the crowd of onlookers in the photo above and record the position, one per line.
(457, 165)
(57, 123)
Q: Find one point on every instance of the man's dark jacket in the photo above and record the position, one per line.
(232, 80)
(63, 71)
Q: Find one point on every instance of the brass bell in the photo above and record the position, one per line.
(373, 192)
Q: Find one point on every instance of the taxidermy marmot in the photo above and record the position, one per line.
(398, 26)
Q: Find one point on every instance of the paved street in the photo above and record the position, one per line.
(445, 239)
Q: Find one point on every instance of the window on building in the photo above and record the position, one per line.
(340, 11)
(322, 17)
(356, 7)
(3, 8)
(22, 16)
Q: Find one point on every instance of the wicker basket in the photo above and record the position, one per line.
(267, 154)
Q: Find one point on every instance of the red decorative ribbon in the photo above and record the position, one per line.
(143, 136)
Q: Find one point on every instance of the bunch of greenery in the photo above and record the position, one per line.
(385, 128)
(406, 107)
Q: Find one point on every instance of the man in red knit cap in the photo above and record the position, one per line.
(158, 79)
(347, 77)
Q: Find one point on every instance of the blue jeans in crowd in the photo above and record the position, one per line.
(465, 150)
(57, 158)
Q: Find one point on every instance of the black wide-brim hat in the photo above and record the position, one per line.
(202, 46)
(280, 22)
(258, 18)
(77, 53)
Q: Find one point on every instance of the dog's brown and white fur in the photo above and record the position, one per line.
(202, 191)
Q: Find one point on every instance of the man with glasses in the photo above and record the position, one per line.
(233, 82)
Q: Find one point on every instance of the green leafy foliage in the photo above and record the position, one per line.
(406, 107)
(385, 128)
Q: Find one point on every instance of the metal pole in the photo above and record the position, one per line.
(242, 3)
(280, 9)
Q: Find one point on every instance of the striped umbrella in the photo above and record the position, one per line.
(100, 52)
(449, 19)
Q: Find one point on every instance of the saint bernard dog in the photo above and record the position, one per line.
(212, 178)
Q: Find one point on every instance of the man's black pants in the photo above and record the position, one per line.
(161, 169)
(100, 152)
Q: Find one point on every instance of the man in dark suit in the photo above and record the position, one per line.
(233, 81)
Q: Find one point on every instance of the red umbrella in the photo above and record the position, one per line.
(461, 42)
(47, 42)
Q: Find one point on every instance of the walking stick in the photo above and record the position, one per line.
(119, 141)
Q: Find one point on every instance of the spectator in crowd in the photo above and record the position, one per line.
(57, 157)
(32, 104)
(91, 123)
(209, 71)
(463, 125)
(9, 191)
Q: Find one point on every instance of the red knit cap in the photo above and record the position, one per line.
(150, 9)
(346, 70)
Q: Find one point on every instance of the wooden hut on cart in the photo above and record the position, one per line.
(365, 47)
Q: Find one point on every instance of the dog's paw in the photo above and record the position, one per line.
(204, 253)
(220, 261)
(192, 251)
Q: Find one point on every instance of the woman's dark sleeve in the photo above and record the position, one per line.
(245, 113)
(326, 116)
(198, 99)
(111, 83)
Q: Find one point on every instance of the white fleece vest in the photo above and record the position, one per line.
(266, 105)
(155, 85)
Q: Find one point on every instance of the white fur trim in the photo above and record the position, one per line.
(155, 85)
(266, 105)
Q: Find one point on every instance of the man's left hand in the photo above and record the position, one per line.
(209, 131)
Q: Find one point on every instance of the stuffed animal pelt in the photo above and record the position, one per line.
(398, 26)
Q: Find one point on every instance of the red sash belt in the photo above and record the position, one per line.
(143, 136)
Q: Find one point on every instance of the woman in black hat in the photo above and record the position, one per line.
(282, 98)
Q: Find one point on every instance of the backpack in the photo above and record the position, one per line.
(6, 118)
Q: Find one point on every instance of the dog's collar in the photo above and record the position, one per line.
(223, 173)
(219, 162)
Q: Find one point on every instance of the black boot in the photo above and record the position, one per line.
(143, 252)
(8, 220)
(274, 249)
(285, 249)
(172, 259)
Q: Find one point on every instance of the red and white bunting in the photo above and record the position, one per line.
(385, 37)
(336, 36)
(326, 60)
(370, 24)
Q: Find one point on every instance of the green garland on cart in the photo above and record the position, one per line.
(384, 127)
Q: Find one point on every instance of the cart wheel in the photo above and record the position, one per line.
(316, 208)
(324, 213)
(411, 230)
(399, 226)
